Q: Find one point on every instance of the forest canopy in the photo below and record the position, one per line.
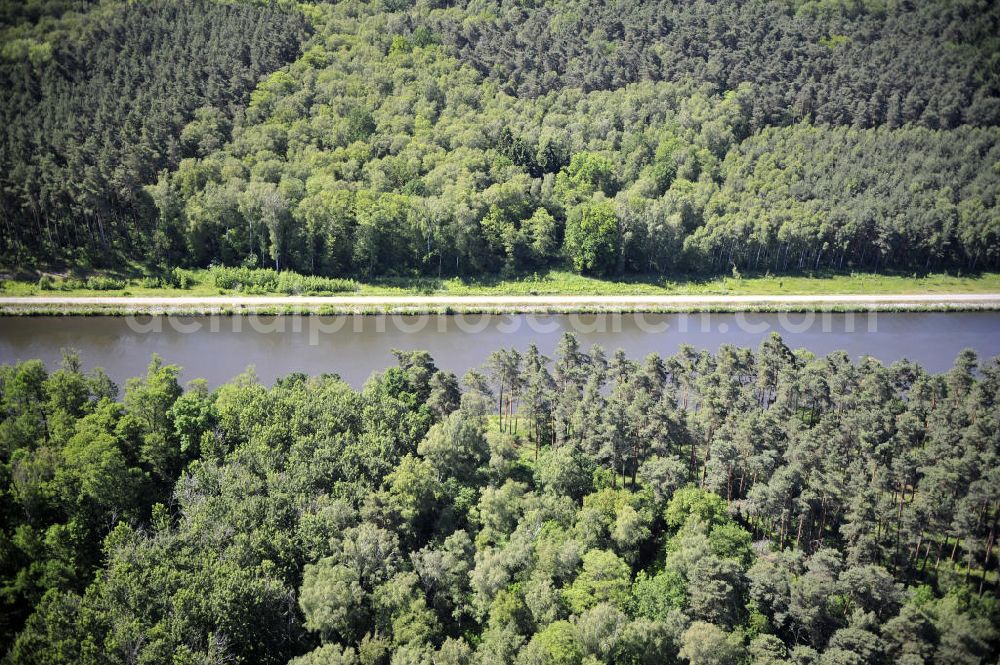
(99, 99)
(394, 138)
(753, 507)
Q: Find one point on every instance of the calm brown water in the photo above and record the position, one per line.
(218, 348)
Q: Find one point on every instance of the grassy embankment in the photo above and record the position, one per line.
(206, 283)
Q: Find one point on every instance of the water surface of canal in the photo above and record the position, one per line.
(218, 348)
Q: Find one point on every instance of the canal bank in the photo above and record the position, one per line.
(513, 304)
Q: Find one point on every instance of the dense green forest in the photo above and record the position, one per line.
(742, 507)
(98, 100)
(483, 137)
(855, 62)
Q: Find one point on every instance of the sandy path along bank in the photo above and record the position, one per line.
(507, 302)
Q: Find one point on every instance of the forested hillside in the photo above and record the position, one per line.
(507, 137)
(99, 99)
(854, 62)
(743, 507)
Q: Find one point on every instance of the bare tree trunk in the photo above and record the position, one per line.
(989, 547)
(937, 559)
(500, 405)
(822, 521)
